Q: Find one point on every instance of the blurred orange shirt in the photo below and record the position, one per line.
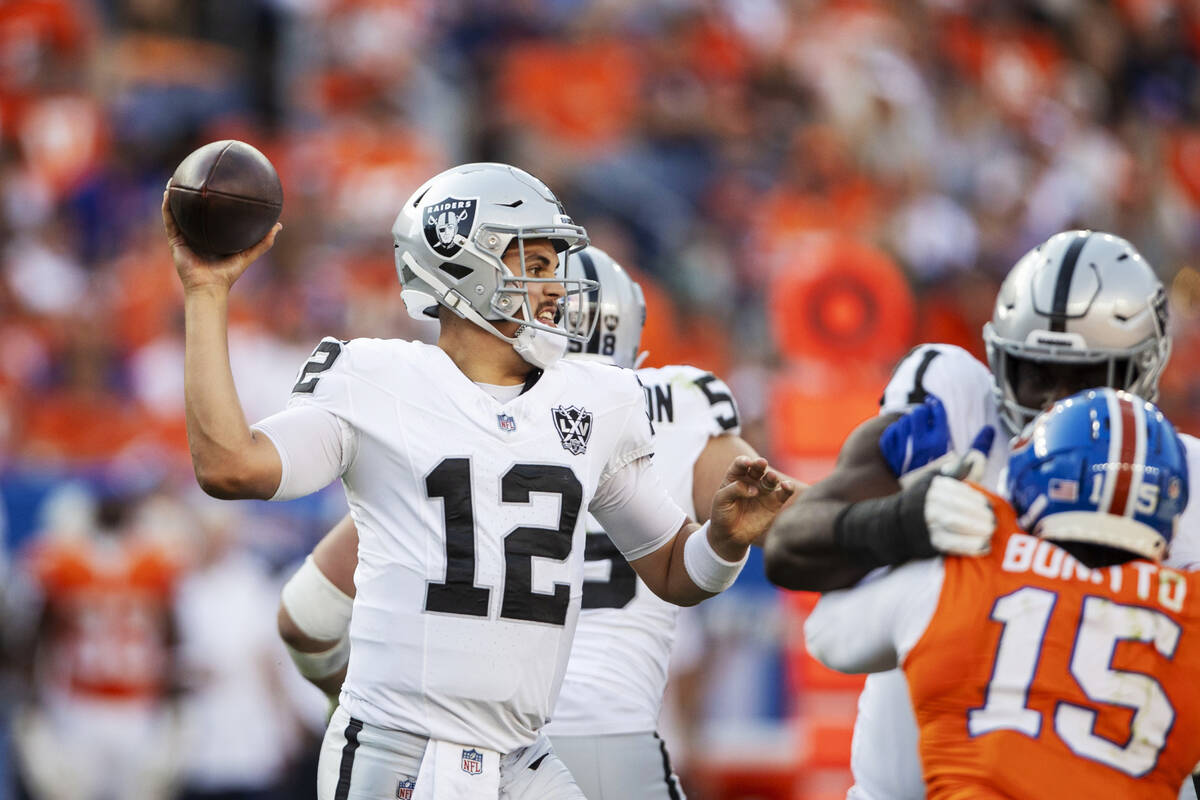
(109, 604)
(586, 93)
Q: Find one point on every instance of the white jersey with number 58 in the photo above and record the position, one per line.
(618, 668)
(884, 751)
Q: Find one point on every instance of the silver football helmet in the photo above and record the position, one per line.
(616, 311)
(449, 241)
(1080, 297)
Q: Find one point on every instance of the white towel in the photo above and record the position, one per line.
(451, 771)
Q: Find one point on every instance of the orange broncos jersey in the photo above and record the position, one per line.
(1040, 678)
(109, 604)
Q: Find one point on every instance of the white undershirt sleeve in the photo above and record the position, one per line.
(872, 626)
(315, 446)
(636, 511)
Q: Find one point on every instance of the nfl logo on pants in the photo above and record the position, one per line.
(472, 762)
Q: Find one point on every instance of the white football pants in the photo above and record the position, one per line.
(363, 762)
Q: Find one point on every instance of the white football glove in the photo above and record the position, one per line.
(959, 518)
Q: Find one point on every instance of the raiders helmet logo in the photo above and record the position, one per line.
(611, 321)
(446, 220)
(574, 426)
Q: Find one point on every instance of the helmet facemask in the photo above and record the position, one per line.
(1136, 370)
(615, 313)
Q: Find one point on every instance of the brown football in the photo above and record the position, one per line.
(225, 197)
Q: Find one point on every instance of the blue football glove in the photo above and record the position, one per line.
(917, 438)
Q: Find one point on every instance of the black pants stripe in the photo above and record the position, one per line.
(347, 766)
(668, 773)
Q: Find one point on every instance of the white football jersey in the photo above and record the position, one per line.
(618, 667)
(884, 754)
(471, 522)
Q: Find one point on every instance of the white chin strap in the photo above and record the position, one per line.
(538, 347)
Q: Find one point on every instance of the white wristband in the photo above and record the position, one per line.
(707, 569)
(318, 608)
(315, 666)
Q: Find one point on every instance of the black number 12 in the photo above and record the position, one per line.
(451, 481)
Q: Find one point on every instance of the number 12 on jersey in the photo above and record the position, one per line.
(1102, 623)
(450, 481)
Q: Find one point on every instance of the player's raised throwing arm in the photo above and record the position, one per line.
(231, 461)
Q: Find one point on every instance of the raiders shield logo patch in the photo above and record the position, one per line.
(574, 426)
(472, 762)
(445, 220)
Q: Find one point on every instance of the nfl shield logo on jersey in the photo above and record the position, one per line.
(405, 790)
(507, 423)
(574, 427)
(472, 762)
(445, 220)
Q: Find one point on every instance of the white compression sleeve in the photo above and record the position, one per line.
(636, 511)
(322, 611)
(315, 447)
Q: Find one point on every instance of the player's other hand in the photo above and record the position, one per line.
(196, 271)
(744, 507)
(916, 439)
(959, 517)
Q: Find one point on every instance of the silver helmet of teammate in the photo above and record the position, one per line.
(449, 241)
(1080, 297)
(616, 311)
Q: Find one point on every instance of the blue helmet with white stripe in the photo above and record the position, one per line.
(1102, 466)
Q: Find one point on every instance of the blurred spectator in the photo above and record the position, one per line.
(99, 722)
(238, 730)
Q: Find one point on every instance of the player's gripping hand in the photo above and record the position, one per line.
(959, 517)
(197, 272)
(936, 514)
(917, 438)
(744, 507)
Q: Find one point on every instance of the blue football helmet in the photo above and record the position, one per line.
(1102, 466)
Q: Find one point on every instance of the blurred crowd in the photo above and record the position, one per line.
(795, 182)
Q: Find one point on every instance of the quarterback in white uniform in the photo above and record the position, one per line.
(1081, 310)
(469, 467)
(606, 716)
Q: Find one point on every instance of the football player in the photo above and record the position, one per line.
(604, 723)
(468, 467)
(1063, 663)
(1082, 309)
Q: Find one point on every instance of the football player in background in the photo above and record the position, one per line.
(1062, 663)
(604, 723)
(467, 467)
(1081, 310)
